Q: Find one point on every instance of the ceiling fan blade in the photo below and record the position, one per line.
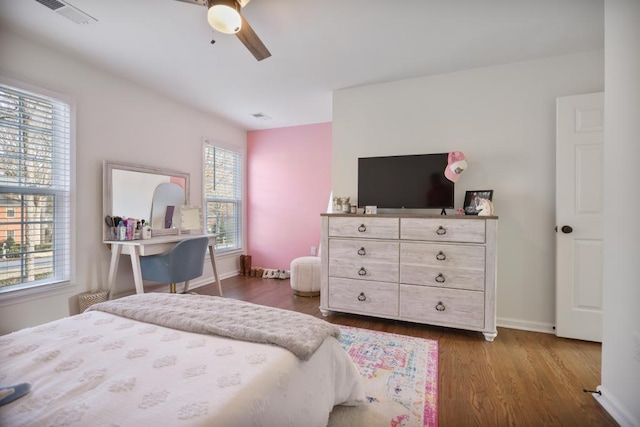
(242, 3)
(250, 39)
(200, 2)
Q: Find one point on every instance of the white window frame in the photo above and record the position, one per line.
(11, 212)
(238, 201)
(63, 246)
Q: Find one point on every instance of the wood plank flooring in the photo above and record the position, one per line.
(521, 379)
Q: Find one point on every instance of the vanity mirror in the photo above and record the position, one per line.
(128, 190)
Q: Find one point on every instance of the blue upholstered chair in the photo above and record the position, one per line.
(184, 262)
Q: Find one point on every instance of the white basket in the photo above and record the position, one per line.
(89, 298)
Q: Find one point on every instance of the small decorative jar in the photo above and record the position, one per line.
(146, 232)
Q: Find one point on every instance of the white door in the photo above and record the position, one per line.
(579, 220)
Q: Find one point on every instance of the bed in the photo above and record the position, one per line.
(126, 362)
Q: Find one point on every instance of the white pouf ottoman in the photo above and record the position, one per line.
(305, 276)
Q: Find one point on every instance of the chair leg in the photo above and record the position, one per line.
(172, 288)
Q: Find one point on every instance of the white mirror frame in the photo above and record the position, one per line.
(107, 184)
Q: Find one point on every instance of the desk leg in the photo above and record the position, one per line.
(135, 267)
(116, 250)
(215, 269)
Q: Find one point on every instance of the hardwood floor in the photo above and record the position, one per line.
(521, 379)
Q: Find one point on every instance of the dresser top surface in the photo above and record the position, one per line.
(408, 215)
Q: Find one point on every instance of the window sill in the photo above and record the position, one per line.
(227, 254)
(16, 296)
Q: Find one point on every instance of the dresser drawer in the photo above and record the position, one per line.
(443, 230)
(364, 227)
(356, 250)
(437, 264)
(364, 297)
(364, 259)
(448, 307)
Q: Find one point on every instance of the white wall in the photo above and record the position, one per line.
(621, 292)
(118, 121)
(503, 119)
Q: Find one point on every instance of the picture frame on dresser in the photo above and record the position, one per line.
(472, 199)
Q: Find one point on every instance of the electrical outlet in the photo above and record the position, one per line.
(636, 351)
(314, 251)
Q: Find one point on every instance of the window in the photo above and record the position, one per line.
(35, 180)
(11, 213)
(223, 196)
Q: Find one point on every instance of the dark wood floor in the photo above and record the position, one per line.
(520, 379)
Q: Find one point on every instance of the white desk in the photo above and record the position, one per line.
(156, 245)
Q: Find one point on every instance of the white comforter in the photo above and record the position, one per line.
(99, 369)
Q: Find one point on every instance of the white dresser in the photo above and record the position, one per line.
(438, 270)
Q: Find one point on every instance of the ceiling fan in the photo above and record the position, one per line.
(225, 16)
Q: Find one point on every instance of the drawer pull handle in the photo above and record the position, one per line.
(362, 297)
(362, 228)
(362, 252)
(441, 256)
(440, 306)
(441, 231)
(440, 278)
(362, 272)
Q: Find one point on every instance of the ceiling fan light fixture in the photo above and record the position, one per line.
(223, 16)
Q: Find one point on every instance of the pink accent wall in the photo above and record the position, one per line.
(288, 187)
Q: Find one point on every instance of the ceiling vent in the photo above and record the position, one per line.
(261, 116)
(68, 11)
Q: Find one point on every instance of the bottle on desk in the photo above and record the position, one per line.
(130, 228)
(122, 231)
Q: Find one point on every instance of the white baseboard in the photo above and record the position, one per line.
(192, 285)
(615, 408)
(505, 322)
(207, 280)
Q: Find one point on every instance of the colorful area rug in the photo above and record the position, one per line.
(400, 378)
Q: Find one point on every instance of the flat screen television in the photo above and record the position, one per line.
(409, 182)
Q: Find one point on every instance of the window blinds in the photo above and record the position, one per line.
(223, 196)
(35, 180)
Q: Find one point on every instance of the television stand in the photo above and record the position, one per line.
(443, 212)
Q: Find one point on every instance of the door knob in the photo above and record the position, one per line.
(566, 229)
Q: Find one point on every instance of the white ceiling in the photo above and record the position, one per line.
(317, 45)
